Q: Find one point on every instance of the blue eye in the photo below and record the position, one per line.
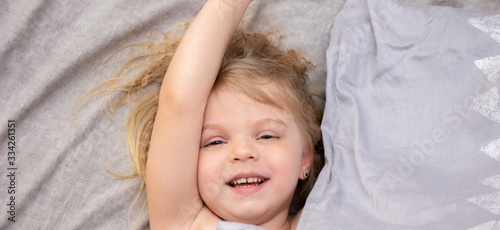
(214, 143)
(266, 137)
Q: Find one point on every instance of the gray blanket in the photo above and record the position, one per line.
(52, 170)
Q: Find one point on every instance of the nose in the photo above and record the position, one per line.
(243, 150)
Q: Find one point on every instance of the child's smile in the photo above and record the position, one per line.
(247, 183)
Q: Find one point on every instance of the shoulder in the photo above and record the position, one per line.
(206, 219)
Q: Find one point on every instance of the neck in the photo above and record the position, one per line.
(280, 221)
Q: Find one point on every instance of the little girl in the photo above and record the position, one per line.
(230, 134)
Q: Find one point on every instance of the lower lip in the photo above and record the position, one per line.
(248, 190)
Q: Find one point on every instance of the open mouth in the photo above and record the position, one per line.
(247, 182)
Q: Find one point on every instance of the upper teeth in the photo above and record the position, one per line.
(247, 180)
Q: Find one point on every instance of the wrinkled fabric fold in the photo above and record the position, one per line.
(402, 136)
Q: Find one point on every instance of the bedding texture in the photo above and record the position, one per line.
(51, 54)
(412, 120)
(411, 125)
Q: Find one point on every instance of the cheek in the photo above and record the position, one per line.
(286, 160)
(209, 175)
(204, 163)
(207, 167)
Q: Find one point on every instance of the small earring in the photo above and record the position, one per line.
(306, 175)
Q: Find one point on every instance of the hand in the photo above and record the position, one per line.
(228, 11)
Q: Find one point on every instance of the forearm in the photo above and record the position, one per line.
(196, 62)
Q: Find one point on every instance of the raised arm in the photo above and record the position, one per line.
(171, 173)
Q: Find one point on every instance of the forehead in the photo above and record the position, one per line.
(224, 105)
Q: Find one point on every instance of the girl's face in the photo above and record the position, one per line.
(251, 158)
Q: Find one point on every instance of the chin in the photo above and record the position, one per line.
(248, 219)
(255, 214)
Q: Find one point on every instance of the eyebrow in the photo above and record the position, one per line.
(265, 121)
(212, 127)
(271, 121)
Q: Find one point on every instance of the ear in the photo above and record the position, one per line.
(306, 161)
